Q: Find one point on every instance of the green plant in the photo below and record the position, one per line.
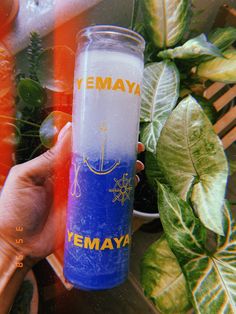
(194, 262)
(37, 99)
(43, 101)
(30, 101)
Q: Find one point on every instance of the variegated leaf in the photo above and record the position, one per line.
(223, 38)
(192, 160)
(211, 277)
(220, 69)
(226, 245)
(162, 279)
(193, 48)
(166, 20)
(149, 134)
(159, 96)
(184, 231)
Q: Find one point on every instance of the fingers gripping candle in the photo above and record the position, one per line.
(106, 109)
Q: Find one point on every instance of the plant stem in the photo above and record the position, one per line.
(22, 149)
(29, 135)
(23, 121)
(35, 150)
(134, 13)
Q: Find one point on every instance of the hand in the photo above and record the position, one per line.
(31, 200)
(27, 201)
(34, 200)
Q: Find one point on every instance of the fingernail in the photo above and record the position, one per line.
(141, 147)
(139, 166)
(137, 180)
(63, 131)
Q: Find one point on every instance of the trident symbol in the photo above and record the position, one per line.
(75, 188)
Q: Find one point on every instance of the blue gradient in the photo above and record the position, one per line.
(95, 212)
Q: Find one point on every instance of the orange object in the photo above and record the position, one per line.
(8, 12)
(7, 110)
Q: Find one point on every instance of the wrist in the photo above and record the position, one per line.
(12, 262)
(13, 269)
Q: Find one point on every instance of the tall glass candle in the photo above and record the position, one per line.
(106, 108)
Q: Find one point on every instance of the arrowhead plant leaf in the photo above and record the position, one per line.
(162, 279)
(159, 96)
(193, 48)
(211, 277)
(166, 20)
(185, 233)
(208, 108)
(192, 160)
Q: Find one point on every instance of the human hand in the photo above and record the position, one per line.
(28, 202)
(31, 200)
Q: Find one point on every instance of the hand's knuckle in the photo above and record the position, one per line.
(16, 170)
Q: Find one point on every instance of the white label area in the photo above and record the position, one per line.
(106, 104)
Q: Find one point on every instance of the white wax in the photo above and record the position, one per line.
(106, 121)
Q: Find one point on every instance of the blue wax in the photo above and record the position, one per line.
(98, 232)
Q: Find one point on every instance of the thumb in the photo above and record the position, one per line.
(58, 156)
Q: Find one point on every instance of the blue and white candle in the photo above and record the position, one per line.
(105, 132)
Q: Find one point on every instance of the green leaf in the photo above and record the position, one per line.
(31, 92)
(51, 127)
(192, 160)
(211, 279)
(55, 69)
(166, 20)
(159, 96)
(162, 279)
(220, 69)
(151, 170)
(193, 48)
(208, 108)
(185, 233)
(223, 38)
(210, 276)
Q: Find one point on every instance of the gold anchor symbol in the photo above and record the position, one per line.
(101, 170)
(75, 188)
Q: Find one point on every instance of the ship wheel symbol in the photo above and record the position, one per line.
(75, 187)
(100, 169)
(122, 189)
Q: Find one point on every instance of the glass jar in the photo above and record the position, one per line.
(106, 106)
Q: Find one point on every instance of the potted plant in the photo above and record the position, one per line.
(184, 158)
(193, 264)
